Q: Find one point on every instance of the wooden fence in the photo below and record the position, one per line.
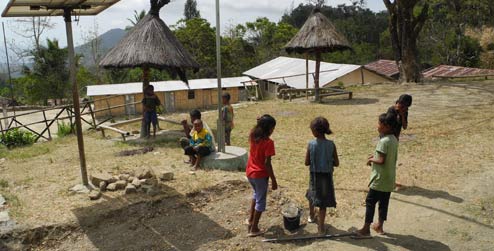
(65, 112)
(291, 93)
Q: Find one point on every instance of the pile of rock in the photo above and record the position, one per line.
(144, 181)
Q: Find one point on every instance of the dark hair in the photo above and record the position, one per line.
(226, 95)
(405, 100)
(387, 119)
(196, 114)
(320, 125)
(263, 128)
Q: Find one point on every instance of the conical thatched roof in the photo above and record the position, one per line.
(150, 44)
(317, 34)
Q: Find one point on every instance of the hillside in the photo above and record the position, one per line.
(107, 41)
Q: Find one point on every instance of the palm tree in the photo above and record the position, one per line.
(138, 16)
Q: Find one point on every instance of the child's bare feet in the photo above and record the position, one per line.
(321, 230)
(378, 228)
(362, 234)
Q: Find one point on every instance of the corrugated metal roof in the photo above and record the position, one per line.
(384, 67)
(29, 8)
(285, 66)
(455, 71)
(165, 86)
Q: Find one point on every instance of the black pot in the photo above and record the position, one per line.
(292, 223)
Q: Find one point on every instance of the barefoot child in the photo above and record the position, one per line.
(322, 158)
(259, 169)
(227, 116)
(382, 180)
(400, 112)
(149, 104)
(200, 144)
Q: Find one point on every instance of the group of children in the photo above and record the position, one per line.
(321, 158)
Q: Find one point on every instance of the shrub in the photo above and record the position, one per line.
(64, 129)
(15, 138)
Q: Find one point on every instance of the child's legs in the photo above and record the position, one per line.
(370, 205)
(383, 206)
(154, 120)
(228, 133)
(311, 211)
(260, 186)
(322, 218)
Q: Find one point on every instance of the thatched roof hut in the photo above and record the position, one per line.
(150, 44)
(317, 35)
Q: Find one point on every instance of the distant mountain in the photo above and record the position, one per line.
(107, 41)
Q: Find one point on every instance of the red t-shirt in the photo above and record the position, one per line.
(256, 165)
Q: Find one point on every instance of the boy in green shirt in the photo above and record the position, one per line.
(382, 180)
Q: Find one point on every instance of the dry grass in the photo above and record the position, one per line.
(451, 128)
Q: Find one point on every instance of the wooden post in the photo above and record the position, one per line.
(4, 109)
(47, 125)
(316, 80)
(145, 84)
(306, 75)
(362, 74)
(75, 94)
(92, 116)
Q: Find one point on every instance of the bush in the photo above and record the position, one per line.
(15, 138)
(64, 129)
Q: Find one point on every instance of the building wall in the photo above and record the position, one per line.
(202, 99)
(355, 78)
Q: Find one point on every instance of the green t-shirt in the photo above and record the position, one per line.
(227, 111)
(383, 176)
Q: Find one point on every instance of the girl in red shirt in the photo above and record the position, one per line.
(259, 169)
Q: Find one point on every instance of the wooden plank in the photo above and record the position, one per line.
(125, 122)
(114, 129)
(169, 120)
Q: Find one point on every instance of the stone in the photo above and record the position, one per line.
(150, 182)
(124, 177)
(120, 184)
(2, 201)
(79, 188)
(145, 174)
(98, 177)
(102, 186)
(130, 189)
(166, 175)
(131, 178)
(94, 195)
(150, 190)
(112, 187)
(234, 159)
(4, 216)
(136, 182)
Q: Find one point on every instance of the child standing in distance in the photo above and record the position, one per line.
(382, 180)
(321, 157)
(259, 169)
(149, 104)
(201, 144)
(400, 112)
(227, 116)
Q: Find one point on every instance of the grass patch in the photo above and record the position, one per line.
(4, 183)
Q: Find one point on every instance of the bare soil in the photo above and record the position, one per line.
(445, 162)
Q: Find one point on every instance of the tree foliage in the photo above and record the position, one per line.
(190, 10)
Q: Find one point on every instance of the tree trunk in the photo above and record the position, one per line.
(404, 28)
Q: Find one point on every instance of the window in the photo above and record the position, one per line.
(191, 94)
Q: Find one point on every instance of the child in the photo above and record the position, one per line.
(149, 104)
(200, 144)
(382, 180)
(188, 128)
(322, 158)
(400, 112)
(227, 116)
(259, 169)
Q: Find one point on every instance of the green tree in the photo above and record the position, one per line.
(190, 10)
(138, 16)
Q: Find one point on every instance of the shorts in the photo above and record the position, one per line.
(321, 190)
(151, 117)
(260, 186)
(201, 151)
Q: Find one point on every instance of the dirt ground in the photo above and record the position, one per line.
(445, 162)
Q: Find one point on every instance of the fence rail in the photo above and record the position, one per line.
(323, 92)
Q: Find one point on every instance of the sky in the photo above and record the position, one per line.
(232, 12)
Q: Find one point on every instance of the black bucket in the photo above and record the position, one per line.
(292, 223)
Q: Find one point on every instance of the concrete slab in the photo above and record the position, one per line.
(234, 159)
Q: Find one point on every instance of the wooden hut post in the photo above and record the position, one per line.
(145, 84)
(306, 75)
(316, 79)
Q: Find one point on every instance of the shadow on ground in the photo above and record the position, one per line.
(431, 194)
(166, 223)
